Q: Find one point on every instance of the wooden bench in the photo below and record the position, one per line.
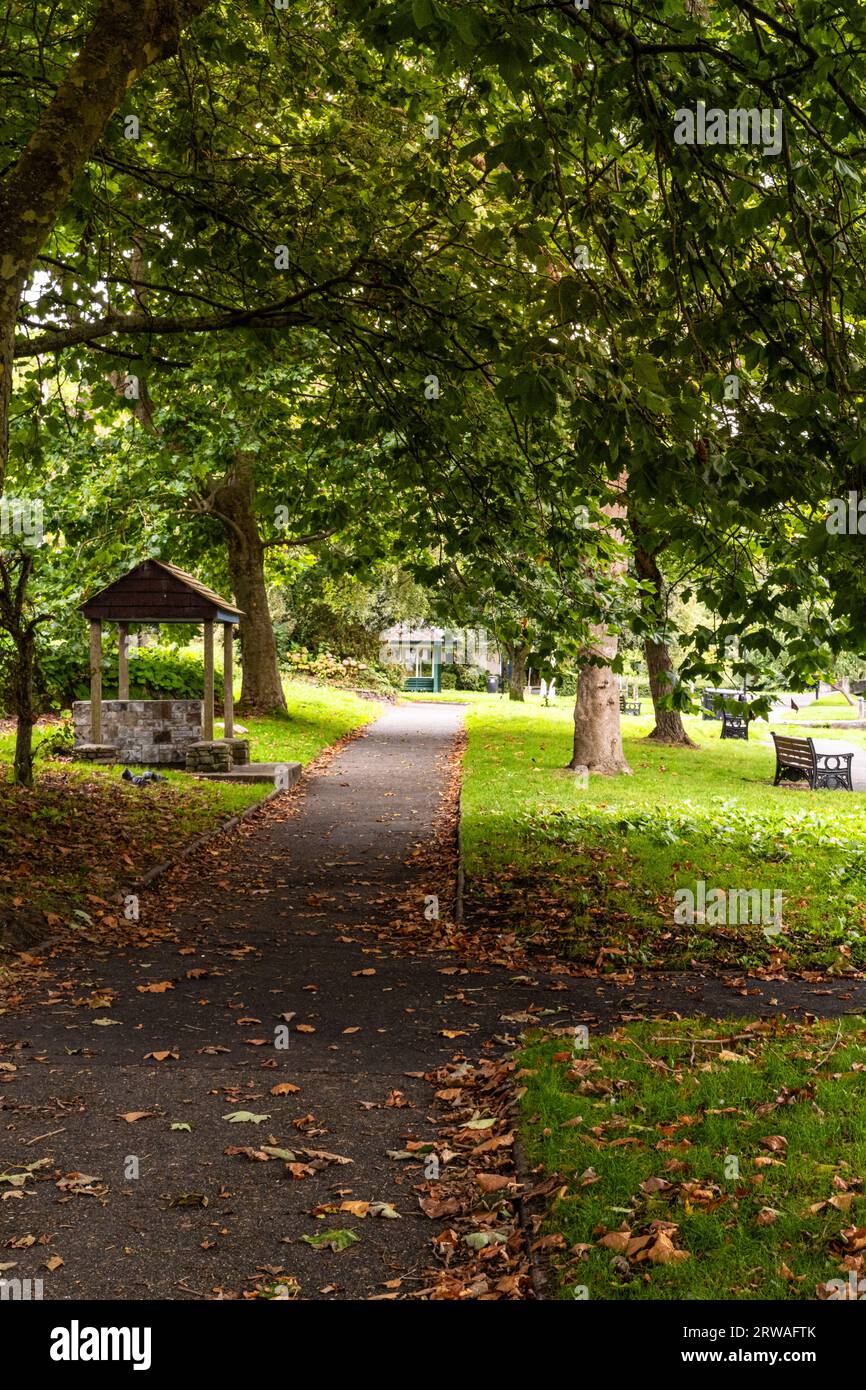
(708, 708)
(735, 726)
(798, 759)
(627, 706)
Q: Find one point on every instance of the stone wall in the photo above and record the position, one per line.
(144, 731)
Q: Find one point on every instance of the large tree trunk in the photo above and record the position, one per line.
(15, 571)
(125, 38)
(22, 767)
(669, 726)
(232, 501)
(517, 680)
(597, 735)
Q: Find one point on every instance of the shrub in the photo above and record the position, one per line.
(157, 673)
(448, 681)
(58, 741)
(347, 671)
(466, 677)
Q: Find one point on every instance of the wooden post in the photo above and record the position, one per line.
(123, 661)
(96, 681)
(208, 682)
(228, 680)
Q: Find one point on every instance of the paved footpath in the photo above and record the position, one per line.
(275, 924)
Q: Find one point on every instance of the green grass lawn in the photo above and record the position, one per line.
(451, 697)
(68, 846)
(829, 707)
(591, 871)
(701, 1159)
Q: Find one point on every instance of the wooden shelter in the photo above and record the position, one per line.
(156, 592)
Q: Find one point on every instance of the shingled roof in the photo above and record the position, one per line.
(156, 592)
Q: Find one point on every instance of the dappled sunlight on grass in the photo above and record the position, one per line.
(607, 857)
(701, 1160)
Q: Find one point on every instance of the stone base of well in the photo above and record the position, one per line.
(240, 750)
(96, 752)
(205, 756)
(141, 731)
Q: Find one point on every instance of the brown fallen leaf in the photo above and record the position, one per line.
(159, 987)
(776, 1143)
(132, 1115)
(655, 1185)
(617, 1241)
(493, 1182)
(324, 1157)
(663, 1252)
(285, 1088)
(767, 1216)
(355, 1208)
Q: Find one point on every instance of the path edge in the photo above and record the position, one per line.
(460, 879)
(539, 1272)
(191, 846)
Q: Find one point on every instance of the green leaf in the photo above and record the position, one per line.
(331, 1240)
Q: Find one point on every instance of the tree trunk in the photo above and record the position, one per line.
(15, 572)
(843, 687)
(125, 38)
(669, 727)
(597, 735)
(22, 767)
(517, 680)
(232, 502)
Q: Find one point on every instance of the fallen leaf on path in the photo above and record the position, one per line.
(331, 1240)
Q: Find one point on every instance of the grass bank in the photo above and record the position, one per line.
(702, 1160)
(69, 844)
(591, 871)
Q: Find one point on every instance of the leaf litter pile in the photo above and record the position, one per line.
(469, 1188)
(68, 847)
(702, 1159)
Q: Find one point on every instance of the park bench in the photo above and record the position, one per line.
(798, 758)
(735, 726)
(708, 709)
(627, 706)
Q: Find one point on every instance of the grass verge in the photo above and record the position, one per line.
(68, 845)
(591, 871)
(702, 1159)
